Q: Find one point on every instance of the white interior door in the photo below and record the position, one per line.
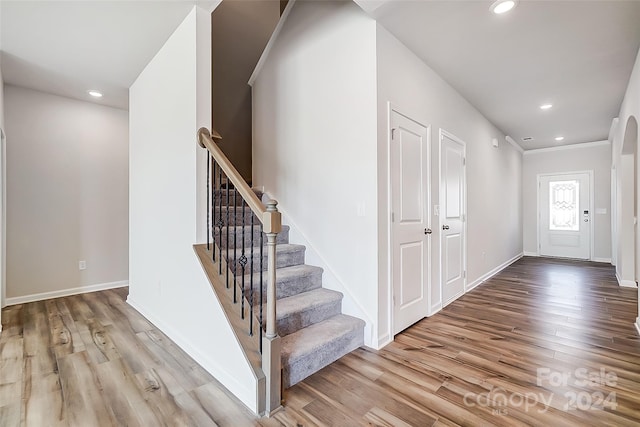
(452, 217)
(410, 232)
(564, 203)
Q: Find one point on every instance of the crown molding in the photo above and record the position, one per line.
(568, 147)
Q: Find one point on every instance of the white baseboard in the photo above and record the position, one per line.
(435, 308)
(605, 260)
(637, 324)
(65, 292)
(383, 340)
(626, 283)
(493, 272)
(227, 379)
(530, 253)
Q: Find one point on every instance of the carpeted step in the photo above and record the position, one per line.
(314, 347)
(250, 239)
(289, 281)
(305, 309)
(286, 256)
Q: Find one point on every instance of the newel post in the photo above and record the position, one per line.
(271, 345)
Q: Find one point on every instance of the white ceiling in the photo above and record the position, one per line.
(577, 55)
(69, 47)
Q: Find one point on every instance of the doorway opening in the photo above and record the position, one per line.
(627, 264)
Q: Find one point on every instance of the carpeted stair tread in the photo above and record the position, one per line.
(305, 309)
(289, 281)
(220, 236)
(314, 347)
(287, 254)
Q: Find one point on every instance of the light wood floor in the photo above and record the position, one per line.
(543, 343)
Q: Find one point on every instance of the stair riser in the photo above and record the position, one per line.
(216, 194)
(313, 362)
(302, 319)
(220, 237)
(284, 288)
(234, 217)
(283, 259)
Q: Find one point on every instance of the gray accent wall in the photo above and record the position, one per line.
(67, 194)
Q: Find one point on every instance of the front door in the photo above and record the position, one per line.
(410, 233)
(565, 215)
(452, 217)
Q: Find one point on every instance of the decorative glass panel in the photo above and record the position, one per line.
(564, 205)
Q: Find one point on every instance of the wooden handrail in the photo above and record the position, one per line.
(206, 141)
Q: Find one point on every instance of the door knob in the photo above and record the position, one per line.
(445, 227)
(427, 231)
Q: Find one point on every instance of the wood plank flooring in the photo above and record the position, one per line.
(545, 342)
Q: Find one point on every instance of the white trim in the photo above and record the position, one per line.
(567, 147)
(604, 260)
(441, 134)
(525, 253)
(514, 144)
(625, 283)
(230, 381)
(383, 340)
(270, 43)
(436, 308)
(637, 324)
(66, 292)
(592, 245)
(494, 271)
(3, 219)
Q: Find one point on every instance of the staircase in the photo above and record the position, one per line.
(309, 317)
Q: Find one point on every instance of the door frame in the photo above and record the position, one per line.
(391, 108)
(591, 208)
(441, 134)
(3, 220)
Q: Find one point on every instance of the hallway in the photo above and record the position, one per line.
(532, 345)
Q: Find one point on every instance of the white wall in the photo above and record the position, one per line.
(630, 108)
(169, 101)
(314, 106)
(594, 157)
(67, 195)
(494, 217)
(2, 203)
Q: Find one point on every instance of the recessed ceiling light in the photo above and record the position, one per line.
(559, 138)
(502, 6)
(546, 106)
(95, 93)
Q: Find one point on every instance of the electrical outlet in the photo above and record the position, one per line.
(82, 265)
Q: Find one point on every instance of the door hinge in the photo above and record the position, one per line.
(464, 274)
(464, 161)
(393, 217)
(393, 133)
